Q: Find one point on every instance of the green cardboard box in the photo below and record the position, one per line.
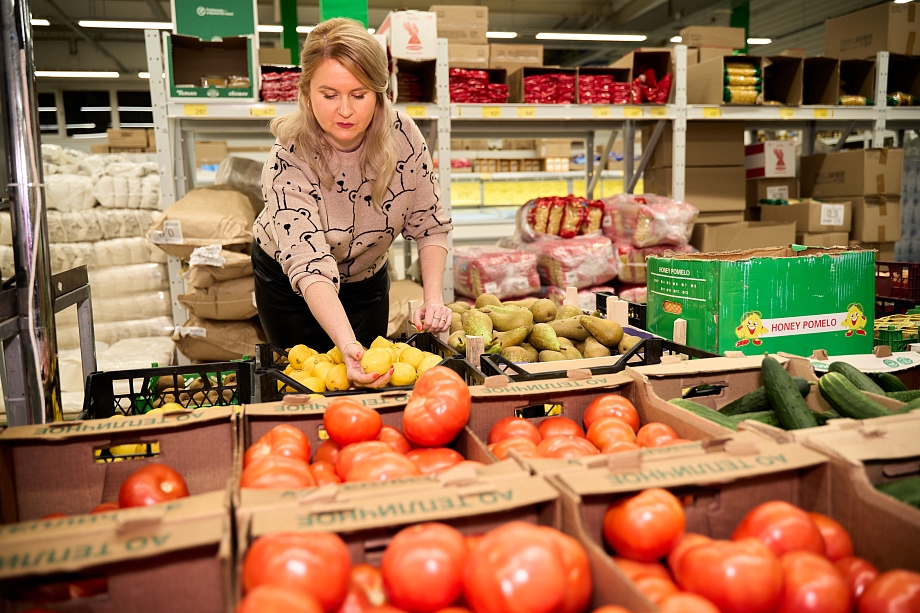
(192, 61)
(793, 299)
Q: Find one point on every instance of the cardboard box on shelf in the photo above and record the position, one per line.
(208, 152)
(458, 13)
(857, 172)
(212, 69)
(875, 220)
(126, 138)
(712, 36)
(885, 250)
(516, 80)
(518, 144)
(638, 61)
(823, 239)
(719, 218)
(771, 189)
(857, 78)
(769, 160)
(904, 74)
(99, 149)
(695, 55)
(861, 35)
(423, 73)
(151, 138)
(783, 80)
(710, 189)
(553, 147)
(738, 236)
(821, 81)
(706, 80)
(812, 215)
(467, 56)
(709, 143)
(765, 300)
(278, 56)
(411, 35)
(512, 57)
(469, 34)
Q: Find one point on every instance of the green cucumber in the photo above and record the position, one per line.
(826, 416)
(846, 399)
(756, 401)
(856, 377)
(784, 397)
(704, 412)
(910, 406)
(889, 382)
(908, 396)
(765, 417)
(906, 490)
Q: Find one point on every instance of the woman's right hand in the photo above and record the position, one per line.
(352, 356)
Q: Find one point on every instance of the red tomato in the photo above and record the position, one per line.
(565, 446)
(610, 608)
(86, 588)
(858, 574)
(356, 600)
(151, 484)
(524, 447)
(577, 571)
(469, 464)
(347, 421)
(327, 452)
(655, 589)
(358, 451)
(385, 609)
(472, 540)
(812, 584)
(612, 405)
(369, 579)
(432, 461)
(619, 447)
(455, 610)
(438, 408)
(634, 570)
(55, 515)
(689, 540)
(685, 602)
(736, 576)
(383, 467)
(508, 427)
(655, 434)
(515, 568)
(423, 567)
(837, 541)
(277, 472)
(274, 599)
(284, 440)
(606, 430)
(324, 473)
(646, 526)
(315, 563)
(559, 426)
(395, 439)
(105, 507)
(782, 527)
(896, 591)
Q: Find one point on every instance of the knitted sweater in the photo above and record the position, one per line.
(336, 235)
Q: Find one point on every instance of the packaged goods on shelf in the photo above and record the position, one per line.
(208, 340)
(647, 220)
(726, 80)
(125, 185)
(635, 294)
(244, 175)
(207, 268)
(632, 267)
(230, 300)
(603, 86)
(580, 262)
(279, 83)
(558, 216)
(549, 88)
(651, 74)
(475, 86)
(506, 273)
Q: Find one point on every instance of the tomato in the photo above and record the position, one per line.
(812, 584)
(151, 484)
(395, 439)
(423, 567)
(655, 589)
(383, 467)
(105, 507)
(782, 527)
(858, 574)
(358, 451)
(634, 570)
(837, 541)
(385, 609)
(619, 447)
(736, 576)
(315, 563)
(455, 610)
(438, 408)
(559, 426)
(284, 440)
(274, 599)
(324, 473)
(646, 526)
(606, 430)
(896, 591)
(432, 461)
(610, 608)
(685, 602)
(86, 588)
(327, 452)
(55, 515)
(356, 600)
(655, 434)
(508, 427)
(524, 447)
(612, 405)
(565, 446)
(467, 464)
(277, 472)
(472, 540)
(369, 579)
(515, 568)
(690, 539)
(348, 421)
(577, 571)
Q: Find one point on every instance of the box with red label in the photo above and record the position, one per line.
(411, 35)
(770, 159)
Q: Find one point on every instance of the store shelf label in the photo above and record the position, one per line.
(263, 110)
(787, 113)
(631, 111)
(526, 111)
(659, 111)
(465, 193)
(195, 110)
(601, 111)
(713, 112)
(822, 113)
(492, 111)
(416, 111)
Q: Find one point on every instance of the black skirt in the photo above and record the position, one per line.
(287, 319)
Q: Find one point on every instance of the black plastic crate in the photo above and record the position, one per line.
(222, 383)
(636, 311)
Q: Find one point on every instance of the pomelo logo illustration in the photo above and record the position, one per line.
(754, 328)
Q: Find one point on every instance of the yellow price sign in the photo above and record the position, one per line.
(659, 111)
(601, 111)
(787, 113)
(465, 193)
(822, 113)
(712, 112)
(526, 111)
(632, 111)
(266, 110)
(417, 111)
(492, 111)
(195, 110)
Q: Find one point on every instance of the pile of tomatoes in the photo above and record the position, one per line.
(360, 447)
(611, 425)
(426, 568)
(779, 559)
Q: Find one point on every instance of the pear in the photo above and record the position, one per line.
(564, 342)
(570, 353)
(511, 338)
(456, 322)
(608, 333)
(516, 354)
(458, 307)
(457, 342)
(567, 310)
(581, 347)
(594, 349)
(523, 302)
(543, 337)
(532, 354)
(487, 299)
(503, 322)
(478, 324)
(627, 343)
(570, 328)
(551, 356)
(543, 310)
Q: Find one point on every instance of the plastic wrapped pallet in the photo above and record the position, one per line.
(117, 281)
(124, 223)
(65, 256)
(207, 340)
(647, 220)
(246, 176)
(231, 300)
(210, 265)
(111, 332)
(205, 216)
(632, 266)
(506, 273)
(126, 185)
(120, 307)
(121, 251)
(69, 192)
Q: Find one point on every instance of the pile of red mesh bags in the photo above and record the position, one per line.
(506, 273)
(552, 88)
(473, 86)
(601, 89)
(646, 88)
(280, 86)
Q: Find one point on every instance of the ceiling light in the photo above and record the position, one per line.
(47, 109)
(48, 126)
(677, 39)
(135, 109)
(77, 74)
(611, 38)
(99, 135)
(901, 1)
(501, 34)
(305, 29)
(80, 126)
(760, 41)
(371, 30)
(127, 25)
(143, 75)
(270, 29)
(40, 22)
(95, 109)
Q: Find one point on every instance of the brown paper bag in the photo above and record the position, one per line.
(205, 216)
(230, 300)
(236, 265)
(206, 340)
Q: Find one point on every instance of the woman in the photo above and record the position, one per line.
(346, 175)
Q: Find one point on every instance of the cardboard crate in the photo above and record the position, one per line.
(710, 189)
(821, 81)
(861, 35)
(126, 138)
(467, 56)
(425, 72)
(708, 143)
(716, 218)
(620, 75)
(209, 152)
(812, 215)
(738, 236)
(151, 138)
(712, 36)
(857, 172)
(857, 78)
(823, 239)
(191, 61)
(421, 45)
(783, 80)
(875, 220)
(904, 75)
(462, 24)
(553, 147)
(513, 57)
(643, 59)
(770, 160)
(469, 34)
(706, 80)
(721, 297)
(770, 189)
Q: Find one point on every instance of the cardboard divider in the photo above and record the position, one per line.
(904, 74)
(857, 78)
(658, 60)
(423, 71)
(706, 80)
(783, 80)
(821, 79)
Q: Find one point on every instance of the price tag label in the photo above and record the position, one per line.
(526, 111)
(171, 234)
(601, 111)
(417, 111)
(832, 214)
(659, 111)
(787, 113)
(632, 111)
(712, 112)
(195, 110)
(263, 110)
(492, 111)
(822, 113)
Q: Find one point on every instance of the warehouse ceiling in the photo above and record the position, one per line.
(64, 45)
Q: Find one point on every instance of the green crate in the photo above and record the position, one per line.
(898, 339)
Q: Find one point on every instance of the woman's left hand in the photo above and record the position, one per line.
(432, 317)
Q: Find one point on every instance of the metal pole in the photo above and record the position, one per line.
(39, 399)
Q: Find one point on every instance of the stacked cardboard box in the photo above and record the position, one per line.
(128, 141)
(706, 43)
(464, 27)
(770, 173)
(515, 57)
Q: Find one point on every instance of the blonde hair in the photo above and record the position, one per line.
(347, 42)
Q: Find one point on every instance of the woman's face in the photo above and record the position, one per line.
(342, 105)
